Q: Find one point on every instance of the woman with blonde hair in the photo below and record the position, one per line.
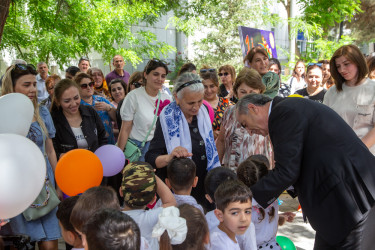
(234, 144)
(45, 230)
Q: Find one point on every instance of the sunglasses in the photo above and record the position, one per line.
(223, 74)
(19, 66)
(85, 85)
(317, 64)
(137, 84)
(207, 70)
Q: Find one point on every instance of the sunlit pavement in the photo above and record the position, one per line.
(298, 231)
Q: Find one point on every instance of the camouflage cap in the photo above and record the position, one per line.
(138, 184)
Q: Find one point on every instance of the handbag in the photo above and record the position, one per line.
(132, 152)
(47, 199)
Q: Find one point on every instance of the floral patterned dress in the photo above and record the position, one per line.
(239, 144)
(222, 105)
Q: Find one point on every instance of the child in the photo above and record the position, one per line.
(233, 210)
(196, 236)
(265, 220)
(181, 179)
(213, 179)
(63, 213)
(91, 201)
(110, 229)
(139, 185)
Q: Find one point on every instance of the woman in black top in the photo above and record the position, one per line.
(314, 77)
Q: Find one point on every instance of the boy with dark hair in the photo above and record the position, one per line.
(233, 210)
(68, 232)
(139, 186)
(110, 229)
(181, 178)
(91, 201)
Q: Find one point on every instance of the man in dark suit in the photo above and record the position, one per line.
(332, 171)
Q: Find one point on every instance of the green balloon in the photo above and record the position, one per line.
(285, 243)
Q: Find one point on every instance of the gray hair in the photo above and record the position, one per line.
(184, 78)
(41, 63)
(256, 99)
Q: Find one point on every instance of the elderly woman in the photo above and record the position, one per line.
(139, 108)
(353, 96)
(257, 59)
(234, 144)
(100, 87)
(45, 230)
(102, 106)
(184, 130)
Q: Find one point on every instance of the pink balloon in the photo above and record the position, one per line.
(210, 110)
(112, 159)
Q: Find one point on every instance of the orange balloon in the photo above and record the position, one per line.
(77, 171)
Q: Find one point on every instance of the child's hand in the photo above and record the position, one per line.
(288, 216)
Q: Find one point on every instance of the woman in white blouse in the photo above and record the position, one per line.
(138, 109)
(353, 96)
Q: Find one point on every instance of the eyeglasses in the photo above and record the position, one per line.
(207, 70)
(137, 84)
(317, 64)
(223, 74)
(85, 85)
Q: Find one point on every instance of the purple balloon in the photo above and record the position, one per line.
(112, 159)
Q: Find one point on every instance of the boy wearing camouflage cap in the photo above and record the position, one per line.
(139, 186)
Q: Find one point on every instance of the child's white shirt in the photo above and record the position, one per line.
(265, 229)
(144, 244)
(78, 248)
(247, 241)
(146, 220)
(221, 241)
(182, 199)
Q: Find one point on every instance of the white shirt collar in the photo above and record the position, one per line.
(269, 110)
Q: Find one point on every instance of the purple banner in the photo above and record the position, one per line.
(250, 38)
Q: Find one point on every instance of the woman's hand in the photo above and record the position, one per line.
(180, 152)
(102, 106)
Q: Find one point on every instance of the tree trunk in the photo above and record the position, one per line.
(4, 11)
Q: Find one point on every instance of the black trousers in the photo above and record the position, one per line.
(362, 237)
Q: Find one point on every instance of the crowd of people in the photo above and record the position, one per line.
(206, 147)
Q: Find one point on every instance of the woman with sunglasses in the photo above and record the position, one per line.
(227, 75)
(314, 77)
(103, 107)
(139, 107)
(218, 104)
(101, 86)
(45, 231)
(184, 130)
(258, 59)
(77, 125)
(353, 96)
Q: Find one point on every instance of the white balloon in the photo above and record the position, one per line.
(22, 174)
(16, 114)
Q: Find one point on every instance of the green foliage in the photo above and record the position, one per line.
(44, 30)
(363, 24)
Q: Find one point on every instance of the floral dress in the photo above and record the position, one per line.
(239, 144)
(47, 227)
(219, 112)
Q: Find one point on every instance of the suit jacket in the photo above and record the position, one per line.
(332, 171)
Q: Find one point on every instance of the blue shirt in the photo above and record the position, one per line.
(104, 116)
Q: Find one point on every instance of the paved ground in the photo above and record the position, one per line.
(298, 231)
